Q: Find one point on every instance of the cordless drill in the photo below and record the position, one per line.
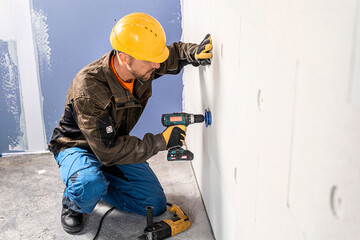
(166, 228)
(177, 153)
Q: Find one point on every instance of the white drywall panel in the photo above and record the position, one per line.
(207, 88)
(30, 87)
(324, 36)
(267, 90)
(251, 10)
(5, 16)
(284, 140)
(279, 21)
(325, 167)
(15, 23)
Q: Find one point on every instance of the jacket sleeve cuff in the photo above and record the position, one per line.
(160, 142)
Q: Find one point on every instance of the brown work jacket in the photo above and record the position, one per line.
(99, 113)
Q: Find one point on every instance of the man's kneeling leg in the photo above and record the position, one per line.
(84, 187)
(132, 187)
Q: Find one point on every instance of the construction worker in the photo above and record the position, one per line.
(98, 159)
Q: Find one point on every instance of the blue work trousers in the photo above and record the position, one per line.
(129, 187)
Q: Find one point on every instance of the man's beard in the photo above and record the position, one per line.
(137, 75)
(141, 77)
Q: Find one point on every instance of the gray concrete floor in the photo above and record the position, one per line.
(31, 192)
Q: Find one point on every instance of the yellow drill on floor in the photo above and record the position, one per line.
(166, 228)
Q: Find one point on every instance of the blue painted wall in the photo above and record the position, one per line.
(79, 34)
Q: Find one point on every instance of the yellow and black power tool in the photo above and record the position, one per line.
(166, 228)
(178, 153)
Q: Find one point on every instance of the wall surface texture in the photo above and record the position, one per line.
(281, 159)
(43, 44)
(20, 97)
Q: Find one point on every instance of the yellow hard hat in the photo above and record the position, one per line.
(141, 36)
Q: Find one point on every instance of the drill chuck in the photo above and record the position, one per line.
(198, 118)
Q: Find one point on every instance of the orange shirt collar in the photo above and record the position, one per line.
(127, 85)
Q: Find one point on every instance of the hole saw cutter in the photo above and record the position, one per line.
(178, 153)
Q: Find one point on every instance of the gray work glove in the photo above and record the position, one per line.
(203, 53)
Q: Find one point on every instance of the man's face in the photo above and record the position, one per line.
(141, 69)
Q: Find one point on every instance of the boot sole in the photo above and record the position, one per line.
(72, 230)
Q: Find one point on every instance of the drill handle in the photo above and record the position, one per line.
(149, 217)
(177, 210)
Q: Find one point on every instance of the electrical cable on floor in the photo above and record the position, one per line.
(102, 219)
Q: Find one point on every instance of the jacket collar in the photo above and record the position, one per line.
(121, 95)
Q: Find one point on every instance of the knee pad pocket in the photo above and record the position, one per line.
(88, 183)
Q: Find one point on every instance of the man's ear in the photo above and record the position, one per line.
(122, 57)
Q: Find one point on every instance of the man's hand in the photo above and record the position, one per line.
(202, 53)
(174, 135)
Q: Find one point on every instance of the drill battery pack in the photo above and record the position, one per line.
(179, 154)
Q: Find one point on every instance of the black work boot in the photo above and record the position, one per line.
(71, 221)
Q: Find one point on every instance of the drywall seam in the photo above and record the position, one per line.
(201, 196)
(183, 79)
(292, 135)
(355, 42)
(256, 195)
(42, 51)
(29, 80)
(182, 21)
(221, 215)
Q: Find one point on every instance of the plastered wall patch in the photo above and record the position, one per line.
(12, 126)
(41, 38)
